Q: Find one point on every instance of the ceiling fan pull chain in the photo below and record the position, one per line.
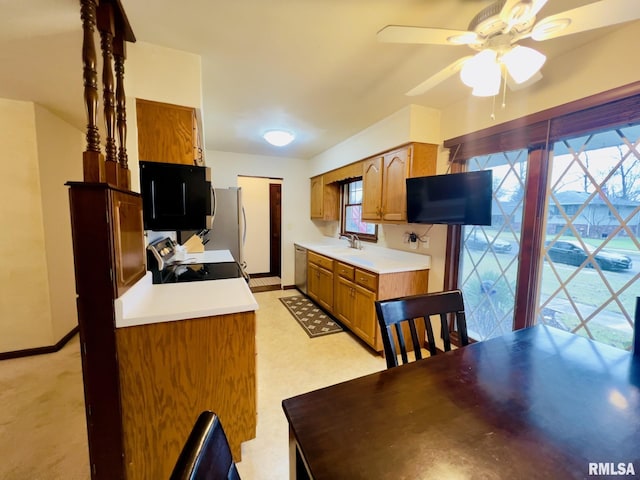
(504, 87)
(493, 108)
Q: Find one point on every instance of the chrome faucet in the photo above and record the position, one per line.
(354, 241)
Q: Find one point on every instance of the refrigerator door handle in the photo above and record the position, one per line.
(244, 226)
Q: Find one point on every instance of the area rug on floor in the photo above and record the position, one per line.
(310, 317)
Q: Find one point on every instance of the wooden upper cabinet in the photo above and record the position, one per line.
(324, 199)
(395, 170)
(372, 188)
(384, 180)
(167, 133)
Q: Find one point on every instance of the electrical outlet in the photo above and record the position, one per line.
(425, 242)
(413, 241)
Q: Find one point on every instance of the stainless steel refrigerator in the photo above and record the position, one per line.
(228, 231)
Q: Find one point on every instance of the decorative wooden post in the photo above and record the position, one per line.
(92, 159)
(107, 31)
(120, 54)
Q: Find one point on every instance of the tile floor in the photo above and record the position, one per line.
(42, 423)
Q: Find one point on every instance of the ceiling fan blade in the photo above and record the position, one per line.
(434, 36)
(439, 77)
(520, 11)
(588, 17)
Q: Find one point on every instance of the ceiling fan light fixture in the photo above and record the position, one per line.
(278, 138)
(523, 62)
(482, 73)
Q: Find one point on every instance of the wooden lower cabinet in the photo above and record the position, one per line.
(320, 280)
(354, 290)
(172, 371)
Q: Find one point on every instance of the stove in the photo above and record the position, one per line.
(165, 268)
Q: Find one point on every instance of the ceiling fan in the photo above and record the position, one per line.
(495, 32)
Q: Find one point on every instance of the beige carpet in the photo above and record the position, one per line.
(43, 433)
(42, 420)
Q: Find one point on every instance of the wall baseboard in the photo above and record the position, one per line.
(40, 350)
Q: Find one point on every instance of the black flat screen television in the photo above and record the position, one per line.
(453, 199)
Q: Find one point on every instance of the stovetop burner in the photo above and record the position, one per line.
(193, 272)
(166, 269)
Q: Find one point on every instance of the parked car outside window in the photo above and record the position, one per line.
(573, 253)
(480, 242)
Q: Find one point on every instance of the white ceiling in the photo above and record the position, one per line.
(311, 66)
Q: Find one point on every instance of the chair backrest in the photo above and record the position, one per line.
(635, 348)
(206, 454)
(393, 314)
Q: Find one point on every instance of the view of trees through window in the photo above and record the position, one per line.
(590, 263)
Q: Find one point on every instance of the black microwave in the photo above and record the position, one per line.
(175, 197)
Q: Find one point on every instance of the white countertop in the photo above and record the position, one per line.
(146, 303)
(373, 258)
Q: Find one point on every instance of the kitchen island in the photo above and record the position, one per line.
(184, 348)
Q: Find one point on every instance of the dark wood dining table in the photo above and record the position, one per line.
(535, 403)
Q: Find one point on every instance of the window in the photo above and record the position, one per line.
(351, 219)
(489, 258)
(576, 251)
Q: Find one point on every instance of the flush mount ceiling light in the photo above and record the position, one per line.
(278, 138)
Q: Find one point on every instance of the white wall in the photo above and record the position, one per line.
(412, 123)
(39, 153)
(60, 149)
(162, 75)
(294, 172)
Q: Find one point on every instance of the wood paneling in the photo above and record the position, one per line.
(170, 372)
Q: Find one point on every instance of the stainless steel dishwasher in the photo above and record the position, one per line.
(301, 269)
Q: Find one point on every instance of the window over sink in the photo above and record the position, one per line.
(351, 208)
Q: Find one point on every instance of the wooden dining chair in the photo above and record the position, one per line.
(393, 314)
(206, 454)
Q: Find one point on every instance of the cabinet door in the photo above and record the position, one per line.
(320, 286)
(313, 281)
(166, 133)
(128, 239)
(372, 189)
(394, 190)
(317, 200)
(325, 289)
(344, 304)
(365, 324)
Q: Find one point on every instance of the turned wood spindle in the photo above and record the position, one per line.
(93, 163)
(119, 55)
(107, 31)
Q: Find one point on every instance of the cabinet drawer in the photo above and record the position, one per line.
(320, 260)
(344, 270)
(366, 279)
